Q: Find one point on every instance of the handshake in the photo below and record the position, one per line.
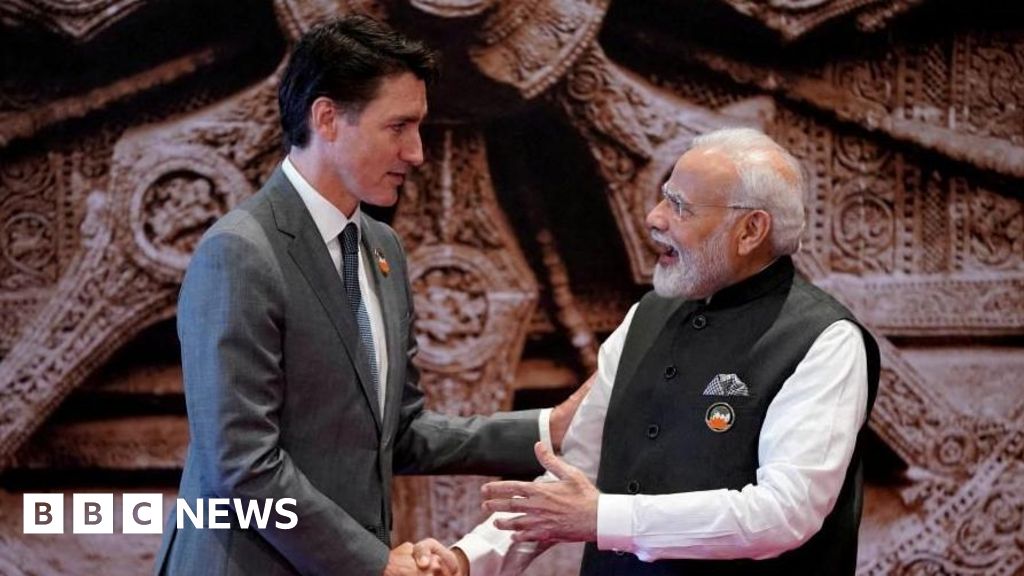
(426, 557)
(563, 510)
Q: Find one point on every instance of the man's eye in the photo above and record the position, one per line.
(677, 205)
(397, 127)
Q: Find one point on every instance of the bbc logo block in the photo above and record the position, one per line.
(43, 513)
(92, 513)
(142, 513)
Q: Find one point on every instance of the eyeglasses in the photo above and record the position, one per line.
(682, 208)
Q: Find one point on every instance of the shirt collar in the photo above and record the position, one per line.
(328, 219)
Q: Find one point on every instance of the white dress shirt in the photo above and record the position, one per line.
(330, 222)
(805, 446)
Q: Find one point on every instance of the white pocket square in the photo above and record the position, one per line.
(726, 385)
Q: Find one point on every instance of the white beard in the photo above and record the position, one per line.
(697, 273)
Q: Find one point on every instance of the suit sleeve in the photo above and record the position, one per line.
(231, 327)
(432, 443)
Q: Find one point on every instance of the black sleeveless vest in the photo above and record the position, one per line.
(657, 441)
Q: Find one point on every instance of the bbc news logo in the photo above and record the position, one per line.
(143, 513)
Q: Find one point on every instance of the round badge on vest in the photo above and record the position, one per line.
(720, 417)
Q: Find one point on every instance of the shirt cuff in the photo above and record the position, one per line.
(482, 558)
(544, 424)
(615, 522)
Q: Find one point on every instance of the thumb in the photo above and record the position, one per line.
(421, 553)
(550, 462)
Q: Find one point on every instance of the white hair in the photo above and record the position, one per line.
(771, 179)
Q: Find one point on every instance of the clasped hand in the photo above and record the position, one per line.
(426, 557)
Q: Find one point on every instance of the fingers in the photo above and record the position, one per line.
(422, 554)
(518, 523)
(507, 489)
(537, 535)
(515, 505)
(433, 556)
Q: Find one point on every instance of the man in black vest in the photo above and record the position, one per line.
(721, 433)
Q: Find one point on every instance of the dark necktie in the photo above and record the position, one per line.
(350, 270)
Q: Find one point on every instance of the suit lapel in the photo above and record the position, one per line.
(310, 254)
(389, 292)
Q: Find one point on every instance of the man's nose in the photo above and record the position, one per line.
(656, 218)
(412, 149)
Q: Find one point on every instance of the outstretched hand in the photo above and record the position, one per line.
(561, 511)
(562, 415)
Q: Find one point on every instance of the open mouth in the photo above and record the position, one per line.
(400, 177)
(667, 253)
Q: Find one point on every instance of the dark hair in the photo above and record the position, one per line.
(345, 60)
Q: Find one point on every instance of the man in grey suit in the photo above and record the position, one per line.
(295, 321)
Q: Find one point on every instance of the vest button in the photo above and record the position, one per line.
(670, 372)
(633, 487)
(699, 322)
(652, 431)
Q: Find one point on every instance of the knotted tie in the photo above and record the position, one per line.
(350, 270)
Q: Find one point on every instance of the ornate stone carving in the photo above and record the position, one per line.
(794, 18)
(568, 313)
(20, 124)
(453, 8)
(921, 306)
(871, 82)
(78, 20)
(26, 242)
(179, 193)
(989, 67)
(28, 226)
(976, 531)
(457, 313)
(140, 443)
(996, 231)
(297, 16)
(134, 249)
(531, 44)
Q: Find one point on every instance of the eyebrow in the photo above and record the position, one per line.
(667, 191)
(405, 118)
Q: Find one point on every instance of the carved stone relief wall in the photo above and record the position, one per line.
(553, 127)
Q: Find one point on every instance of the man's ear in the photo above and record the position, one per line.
(755, 230)
(321, 118)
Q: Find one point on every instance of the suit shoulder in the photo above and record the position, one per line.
(248, 221)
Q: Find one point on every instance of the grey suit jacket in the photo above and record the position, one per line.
(280, 404)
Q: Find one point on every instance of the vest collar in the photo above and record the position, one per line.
(777, 273)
